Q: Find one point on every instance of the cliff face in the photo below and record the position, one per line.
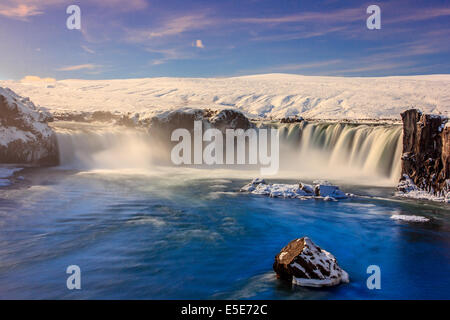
(426, 153)
(25, 137)
(162, 126)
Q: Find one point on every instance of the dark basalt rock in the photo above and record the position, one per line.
(426, 149)
(25, 137)
(162, 126)
(304, 263)
(184, 118)
(293, 119)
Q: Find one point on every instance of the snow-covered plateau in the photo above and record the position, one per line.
(259, 96)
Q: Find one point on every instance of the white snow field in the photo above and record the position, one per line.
(258, 96)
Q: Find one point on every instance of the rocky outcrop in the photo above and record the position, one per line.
(426, 154)
(304, 263)
(163, 125)
(185, 117)
(25, 136)
(292, 119)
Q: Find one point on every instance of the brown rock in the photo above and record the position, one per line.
(304, 263)
(425, 158)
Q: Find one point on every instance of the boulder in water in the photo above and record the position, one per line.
(305, 264)
(252, 185)
(322, 190)
(307, 188)
(329, 191)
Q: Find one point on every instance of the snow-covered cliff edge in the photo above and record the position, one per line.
(25, 136)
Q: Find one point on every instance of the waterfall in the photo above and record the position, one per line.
(85, 146)
(343, 150)
(359, 153)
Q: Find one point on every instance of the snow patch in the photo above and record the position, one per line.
(409, 218)
(324, 190)
(407, 189)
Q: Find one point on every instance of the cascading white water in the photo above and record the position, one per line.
(358, 153)
(85, 146)
(344, 151)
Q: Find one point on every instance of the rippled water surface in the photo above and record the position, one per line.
(173, 235)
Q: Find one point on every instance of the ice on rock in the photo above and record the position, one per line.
(325, 190)
(407, 189)
(252, 185)
(329, 191)
(303, 263)
(309, 189)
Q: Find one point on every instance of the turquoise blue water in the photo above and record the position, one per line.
(181, 236)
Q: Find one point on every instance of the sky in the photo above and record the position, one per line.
(221, 38)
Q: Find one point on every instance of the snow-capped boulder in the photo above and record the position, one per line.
(229, 119)
(321, 189)
(252, 185)
(25, 136)
(329, 191)
(304, 263)
(307, 188)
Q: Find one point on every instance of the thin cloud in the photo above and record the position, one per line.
(299, 35)
(87, 49)
(23, 9)
(344, 15)
(19, 12)
(171, 27)
(166, 55)
(371, 67)
(419, 14)
(79, 67)
(36, 79)
(310, 65)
